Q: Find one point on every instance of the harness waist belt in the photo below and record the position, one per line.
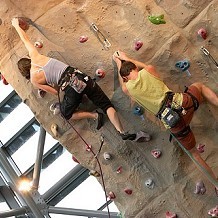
(167, 100)
(74, 78)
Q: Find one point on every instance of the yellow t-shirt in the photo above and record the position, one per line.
(149, 91)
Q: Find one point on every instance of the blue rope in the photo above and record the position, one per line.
(211, 179)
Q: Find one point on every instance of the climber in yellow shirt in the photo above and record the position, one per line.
(143, 84)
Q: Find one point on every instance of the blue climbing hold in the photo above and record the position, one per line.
(138, 111)
(183, 65)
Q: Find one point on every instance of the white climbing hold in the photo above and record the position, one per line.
(55, 108)
(149, 183)
(107, 156)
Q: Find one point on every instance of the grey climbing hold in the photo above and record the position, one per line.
(149, 183)
(107, 156)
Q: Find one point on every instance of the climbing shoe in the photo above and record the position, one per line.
(127, 136)
(100, 120)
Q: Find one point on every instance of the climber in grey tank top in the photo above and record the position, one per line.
(51, 74)
(53, 70)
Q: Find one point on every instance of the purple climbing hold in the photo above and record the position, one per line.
(213, 212)
(200, 188)
(200, 148)
(138, 45)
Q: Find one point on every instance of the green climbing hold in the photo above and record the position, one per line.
(157, 19)
(120, 215)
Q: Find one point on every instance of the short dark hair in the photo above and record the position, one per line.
(126, 68)
(24, 65)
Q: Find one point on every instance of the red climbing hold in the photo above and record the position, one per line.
(4, 80)
(200, 148)
(111, 195)
(138, 45)
(23, 23)
(202, 33)
(100, 73)
(213, 212)
(88, 147)
(38, 44)
(74, 159)
(128, 191)
(170, 215)
(41, 93)
(119, 169)
(156, 153)
(83, 39)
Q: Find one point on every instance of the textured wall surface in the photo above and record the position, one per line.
(59, 24)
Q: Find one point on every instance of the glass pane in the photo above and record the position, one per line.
(22, 138)
(4, 207)
(15, 121)
(112, 208)
(9, 106)
(58, 169)
(25, 156)
(88, 196)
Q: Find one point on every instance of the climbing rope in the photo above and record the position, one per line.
(210, 178)
(94, 154)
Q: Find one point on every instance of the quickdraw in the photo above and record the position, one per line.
(207, 53)
(100, 36)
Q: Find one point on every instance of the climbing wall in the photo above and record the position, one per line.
(145, 180)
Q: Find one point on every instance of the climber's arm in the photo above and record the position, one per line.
(24, 37)
(46, 88)
(151, 69)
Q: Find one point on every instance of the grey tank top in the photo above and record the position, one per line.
(53, 70)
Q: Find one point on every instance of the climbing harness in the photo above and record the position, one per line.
(100, 36)
(207, 53)
(74, 78)
(169, 115)
(194, 99)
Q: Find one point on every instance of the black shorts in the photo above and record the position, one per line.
(72, 99)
